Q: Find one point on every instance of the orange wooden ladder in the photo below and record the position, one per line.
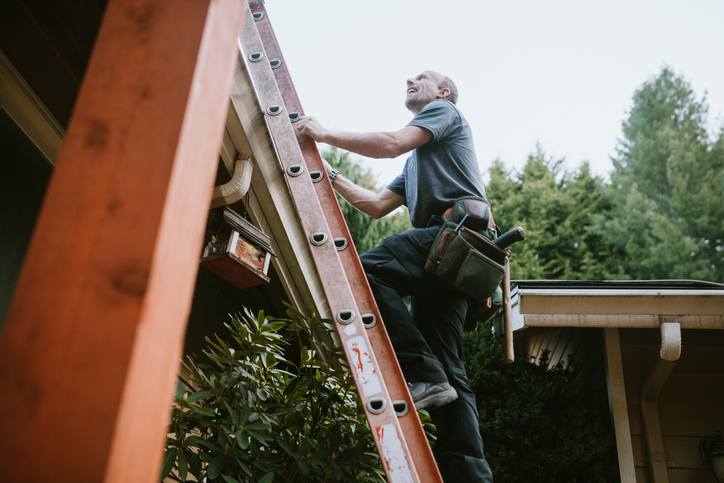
(396, 427)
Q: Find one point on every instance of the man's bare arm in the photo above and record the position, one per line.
(373, 145)
(373, 204)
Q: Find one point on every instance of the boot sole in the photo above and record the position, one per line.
(437, 400)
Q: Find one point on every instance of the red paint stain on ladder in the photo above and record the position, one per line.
(360, 365)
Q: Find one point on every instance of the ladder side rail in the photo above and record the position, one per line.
(386, 430)
(377, 334)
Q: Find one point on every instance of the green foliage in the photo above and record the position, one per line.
(366, 232)
(661, 217)
(539, 425)
(667, 190)
(253, 415)
(555, 208)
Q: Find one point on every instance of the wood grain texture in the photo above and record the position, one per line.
(94, 334)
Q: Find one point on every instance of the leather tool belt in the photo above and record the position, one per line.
(477, 209)
(462, 257)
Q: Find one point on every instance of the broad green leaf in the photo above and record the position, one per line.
(336, 437)
(242, 440)
(215, 467)
(192, 441)
(168, 461)
(195, 465)
(204, 411)
(281, 409)
(292, 385)
(180, 390)
(210, 445)
(286, 447)
(233, 414)
(299, 422)
(229, 479)
(244, 415)
(261, 437)
(261, 465)
(268, 478)
(197, 396)
(258, 426)
(243, 465)
(183, 466)
(305, 446)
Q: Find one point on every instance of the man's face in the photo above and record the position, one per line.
(422, 90)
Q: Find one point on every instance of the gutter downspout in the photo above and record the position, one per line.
(669, 355)
(235, 189)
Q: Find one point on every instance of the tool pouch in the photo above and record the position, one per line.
(466, 260)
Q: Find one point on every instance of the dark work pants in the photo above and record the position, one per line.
(428, 344)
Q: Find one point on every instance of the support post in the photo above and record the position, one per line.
(508, 315)
(93, 337)
(619, 407)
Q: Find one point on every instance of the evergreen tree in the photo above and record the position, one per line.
(667, 190)
(555, 209)
(366, 232)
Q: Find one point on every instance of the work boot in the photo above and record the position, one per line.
(431, 395)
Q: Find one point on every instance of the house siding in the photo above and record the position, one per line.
(691, 403)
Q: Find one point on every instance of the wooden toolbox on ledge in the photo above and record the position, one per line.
(239, 252)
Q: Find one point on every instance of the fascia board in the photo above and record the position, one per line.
(622, 302)
(702, 309)
(612, 321)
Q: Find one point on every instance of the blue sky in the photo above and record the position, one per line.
(556, 73)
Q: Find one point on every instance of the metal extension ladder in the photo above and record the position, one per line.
(396, 427)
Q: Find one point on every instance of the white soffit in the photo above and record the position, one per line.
(635, 305)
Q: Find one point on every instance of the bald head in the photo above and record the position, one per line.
(444, 82)
(427, 87)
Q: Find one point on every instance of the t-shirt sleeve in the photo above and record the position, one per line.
(398, 185)
(437, 117)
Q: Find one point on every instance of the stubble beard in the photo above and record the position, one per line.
(410, 103)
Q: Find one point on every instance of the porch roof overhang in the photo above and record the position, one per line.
(640, 303)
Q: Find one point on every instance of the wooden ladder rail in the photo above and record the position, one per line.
(261, 48)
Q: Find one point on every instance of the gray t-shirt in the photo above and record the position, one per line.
(442, 170)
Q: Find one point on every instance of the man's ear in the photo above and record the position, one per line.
(443, 93)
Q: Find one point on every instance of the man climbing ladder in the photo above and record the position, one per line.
(428, 342)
